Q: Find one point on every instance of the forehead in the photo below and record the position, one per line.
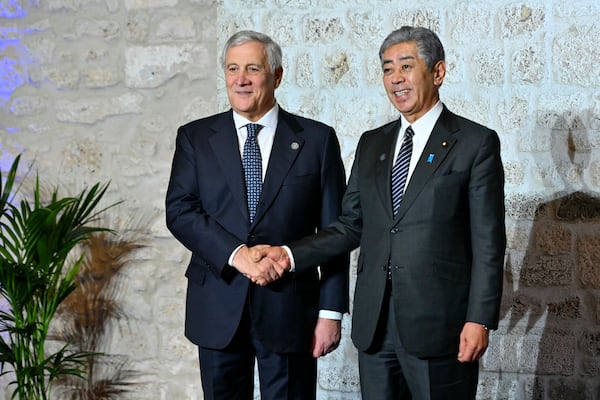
(251, 52)
(401, 51)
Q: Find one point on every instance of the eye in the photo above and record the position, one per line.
(254, 69)
(406, 67)
(232, 69)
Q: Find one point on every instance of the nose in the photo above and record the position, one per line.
(397, 76)
(241, 78)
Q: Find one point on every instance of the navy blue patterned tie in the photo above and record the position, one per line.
(400, 169)
(252, 162)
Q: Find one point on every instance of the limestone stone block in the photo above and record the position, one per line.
(528, 65)
(137, 26)
(338, 69)
(462, 29)
(568, 389)
(544, 271)
(590, 366)
(282, 28)
(100, 77)
(304, 76)
(176, 27)
(366, 29)
(91, 110)
(28, 105)
(522, 19)
(488, 67)
(589, 261)
(578, 41)
(514, 112)
(322, 30)
(421, 16)
(11, 75)
(569, 308)
(551, 238)
(522, 206)
(589, 343)
(148, 4)
(152, 66)
(514, 173)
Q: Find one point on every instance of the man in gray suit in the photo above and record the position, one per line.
(432, 237)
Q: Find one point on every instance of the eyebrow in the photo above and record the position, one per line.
(404, 58)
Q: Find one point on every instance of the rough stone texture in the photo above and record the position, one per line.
(94, 90)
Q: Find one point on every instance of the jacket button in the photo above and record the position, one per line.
(395, 230)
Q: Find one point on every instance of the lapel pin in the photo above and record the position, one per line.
(294, 146)
(431, 157)
(382, 157)
(444, 144)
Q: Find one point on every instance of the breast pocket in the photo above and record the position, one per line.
(450, 194)
(302, 179)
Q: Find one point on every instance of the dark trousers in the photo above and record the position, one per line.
(228, 374)
(389, 372)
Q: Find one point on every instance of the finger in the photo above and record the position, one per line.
(256, 252)
(280, 269)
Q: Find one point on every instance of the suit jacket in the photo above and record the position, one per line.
(206, 211)
(446, 245)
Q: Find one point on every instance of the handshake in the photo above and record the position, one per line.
(262, 264)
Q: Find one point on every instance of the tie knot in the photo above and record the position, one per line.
(253, 130)
(409, 132)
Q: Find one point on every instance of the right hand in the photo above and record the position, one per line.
(274, 253)
(262, 271)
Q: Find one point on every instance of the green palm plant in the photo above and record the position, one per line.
(37, 272)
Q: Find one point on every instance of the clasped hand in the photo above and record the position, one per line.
(262, 264)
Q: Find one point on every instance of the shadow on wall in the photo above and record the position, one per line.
(554, 303)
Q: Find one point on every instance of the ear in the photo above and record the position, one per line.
(278, 76)
(439, 72)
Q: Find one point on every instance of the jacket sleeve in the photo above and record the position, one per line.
(185, 214)
(488, 236)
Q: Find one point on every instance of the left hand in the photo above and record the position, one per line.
(328, 333)
(474, 340)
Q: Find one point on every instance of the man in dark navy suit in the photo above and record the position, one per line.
(257, 174)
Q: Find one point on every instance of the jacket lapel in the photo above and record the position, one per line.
(224, 143)
(385, 161)
(437, 148)
(287, 144)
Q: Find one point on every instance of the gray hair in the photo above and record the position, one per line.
(429, 46)
(272, 49)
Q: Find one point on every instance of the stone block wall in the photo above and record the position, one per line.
(94, 90)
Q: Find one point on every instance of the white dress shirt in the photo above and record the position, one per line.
(422, 129)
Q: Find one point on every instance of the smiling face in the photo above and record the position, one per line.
(250, 82)
(412, 87)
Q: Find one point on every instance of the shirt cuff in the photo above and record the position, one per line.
(233, 253)
(291, 257)
(328, 314)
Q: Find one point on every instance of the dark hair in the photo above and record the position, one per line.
(429, 46)
(272, 49)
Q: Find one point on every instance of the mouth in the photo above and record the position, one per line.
(399, 93)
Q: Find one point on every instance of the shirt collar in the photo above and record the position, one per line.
(267, 120)
(426, 122)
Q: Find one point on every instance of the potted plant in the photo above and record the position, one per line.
(37, 272)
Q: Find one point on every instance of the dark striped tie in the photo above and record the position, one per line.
(400, 169)
(252, 163)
